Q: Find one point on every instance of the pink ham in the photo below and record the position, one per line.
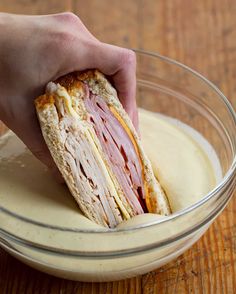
(119, 149)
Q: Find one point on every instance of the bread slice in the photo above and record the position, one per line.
(97, 150)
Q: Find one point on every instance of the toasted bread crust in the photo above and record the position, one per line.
(156, 199)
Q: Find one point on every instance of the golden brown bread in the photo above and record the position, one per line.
(76, 114)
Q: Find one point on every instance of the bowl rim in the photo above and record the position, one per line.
(224, 181)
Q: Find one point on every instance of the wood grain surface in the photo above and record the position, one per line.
(201, 34)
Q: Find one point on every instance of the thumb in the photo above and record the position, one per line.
(28, 130)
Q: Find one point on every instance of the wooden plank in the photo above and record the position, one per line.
(35, 7)
(112, 22)
(201, 34)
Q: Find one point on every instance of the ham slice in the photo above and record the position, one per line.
(119, 150)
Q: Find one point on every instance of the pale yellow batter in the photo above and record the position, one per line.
(180, 163)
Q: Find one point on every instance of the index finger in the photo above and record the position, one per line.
(119, 64)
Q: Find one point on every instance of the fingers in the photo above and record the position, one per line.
(121, 65)
(27, 128)
(81, 51)
(118, 63)
(32, 137)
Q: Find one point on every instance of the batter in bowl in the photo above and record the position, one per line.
(183, 161)
(181, 164)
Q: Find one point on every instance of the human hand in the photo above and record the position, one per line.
(37, 49)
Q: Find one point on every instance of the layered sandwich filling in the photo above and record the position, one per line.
(100, 152)
(119, 150)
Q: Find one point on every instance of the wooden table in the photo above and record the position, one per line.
(201, 34)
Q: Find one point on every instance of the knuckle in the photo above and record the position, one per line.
(128, 58)
(65, 37)
(68, 17)
(91, 45)
(62, 40)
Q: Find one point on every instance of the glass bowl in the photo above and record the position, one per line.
(166, 87)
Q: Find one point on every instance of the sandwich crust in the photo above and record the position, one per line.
(63, 103)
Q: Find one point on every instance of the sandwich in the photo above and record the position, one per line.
(97, 150)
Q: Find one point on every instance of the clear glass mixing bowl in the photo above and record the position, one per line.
(173, 89)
